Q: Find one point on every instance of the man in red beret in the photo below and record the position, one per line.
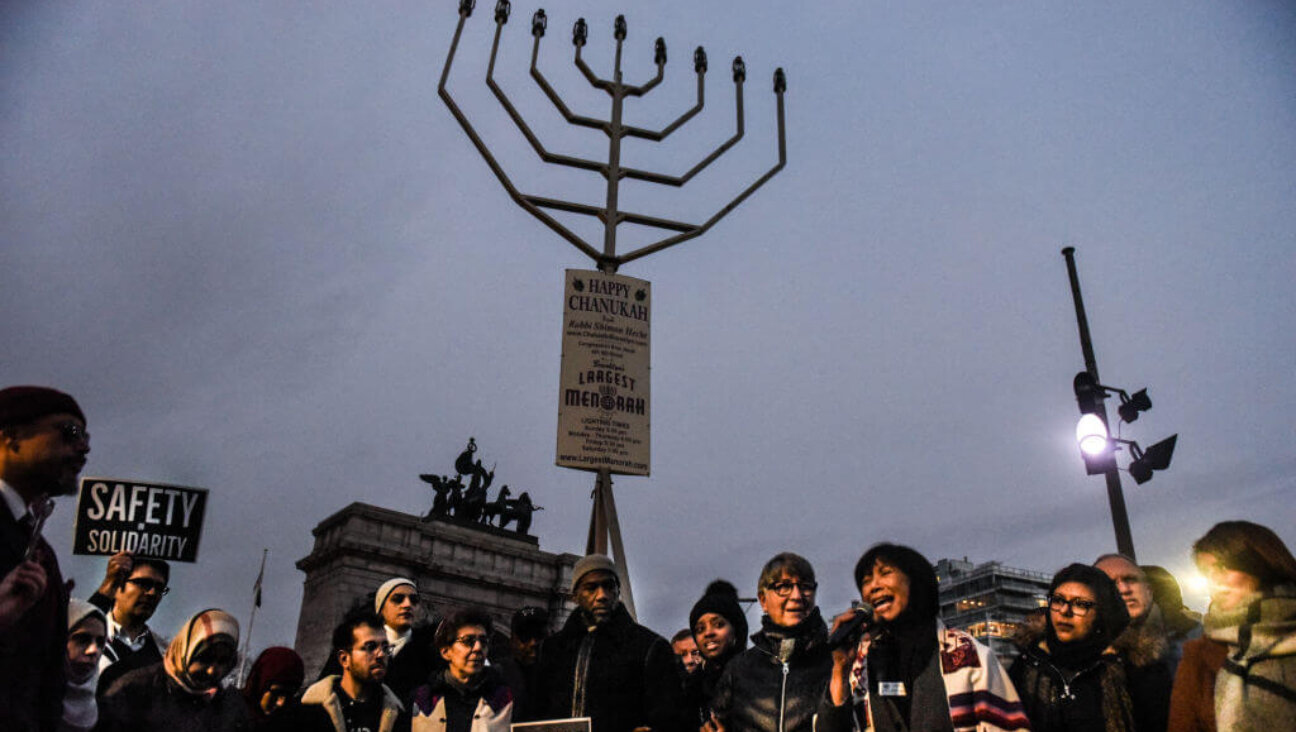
(43, 446)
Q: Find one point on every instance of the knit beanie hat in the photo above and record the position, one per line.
(386, 588)
(26, 404)
(592, 563)
(721, 598)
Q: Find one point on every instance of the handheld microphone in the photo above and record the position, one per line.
(851, 630)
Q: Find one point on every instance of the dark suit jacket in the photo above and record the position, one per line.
(32, 652)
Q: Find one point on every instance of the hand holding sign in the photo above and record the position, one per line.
(119, 568)
(129, 519)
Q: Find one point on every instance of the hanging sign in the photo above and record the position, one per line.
(148, 519)
(603, 405)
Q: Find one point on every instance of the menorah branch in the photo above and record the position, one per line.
(557, 101)
(485, 152)
(670, 180)
(538, 146)
(612, 171)
(779, 86)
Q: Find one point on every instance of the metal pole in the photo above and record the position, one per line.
(604, 524)
(247, 642)
(1115, 496)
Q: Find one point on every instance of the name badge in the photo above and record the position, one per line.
(891, 688)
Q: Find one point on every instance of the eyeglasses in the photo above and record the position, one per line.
(72, 433)
(471, 641)
(397, 598)
(784, 588)
(1078, 605)
(148, 585)
(372, 647)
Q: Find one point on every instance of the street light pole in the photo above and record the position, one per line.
(1115, 496)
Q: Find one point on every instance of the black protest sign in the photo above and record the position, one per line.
(148, 519)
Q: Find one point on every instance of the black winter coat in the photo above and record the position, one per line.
(758, 691)
(1094, 699)
(624, 672)
(148, 700)
(32, 652)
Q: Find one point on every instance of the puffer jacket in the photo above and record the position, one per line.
(620, 674)
(766, 690)
(1095, 697)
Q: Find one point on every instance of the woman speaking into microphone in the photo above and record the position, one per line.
(905, 670)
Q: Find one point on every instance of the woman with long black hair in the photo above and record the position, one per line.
(908, 671)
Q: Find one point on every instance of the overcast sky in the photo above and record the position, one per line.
(255, 245)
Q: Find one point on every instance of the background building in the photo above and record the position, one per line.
(989, 600)
(456, 564)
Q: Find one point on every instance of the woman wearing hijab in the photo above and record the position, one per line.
(1239, 676)
(272, 685)
(182, 693)
(908, 671)
(87, 634)
(1071, 680)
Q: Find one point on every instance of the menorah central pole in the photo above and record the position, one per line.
(611, 214)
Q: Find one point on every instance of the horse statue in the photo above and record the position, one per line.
(519, 510)
(492, 510)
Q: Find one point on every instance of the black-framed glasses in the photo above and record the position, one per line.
(1080, 606)
(784, 588)
(372, 647)
(471, 641)
(72, 433)
(148, 585)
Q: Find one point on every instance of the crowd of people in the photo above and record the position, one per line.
(1112, 650)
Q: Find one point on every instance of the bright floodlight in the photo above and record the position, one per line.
(1091, 433)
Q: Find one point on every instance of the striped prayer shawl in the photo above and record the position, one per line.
(980, 695)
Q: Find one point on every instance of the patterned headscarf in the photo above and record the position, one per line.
(208, 626)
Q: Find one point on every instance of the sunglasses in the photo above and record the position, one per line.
(396, 598)
(72, 433)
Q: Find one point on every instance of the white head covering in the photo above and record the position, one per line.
(79, 709)
(386, 588)
(79, 610)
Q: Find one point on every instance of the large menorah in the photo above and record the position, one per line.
(603, 522)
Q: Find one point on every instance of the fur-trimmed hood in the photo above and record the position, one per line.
(1147, 642)
(323, 693)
